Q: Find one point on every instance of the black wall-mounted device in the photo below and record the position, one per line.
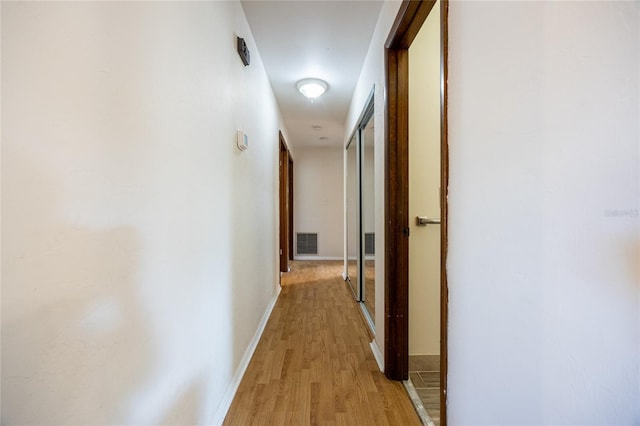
(243, 51)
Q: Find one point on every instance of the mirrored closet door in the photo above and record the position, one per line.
(353, 239)
(360, 187)
(367, 190)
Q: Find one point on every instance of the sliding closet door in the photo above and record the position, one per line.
(353, 217)
(367, 190)
(360, 188)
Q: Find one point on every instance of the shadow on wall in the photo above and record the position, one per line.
(253, 221)
(633, 256)
(190, 404)
(116, 266)
(72, 333)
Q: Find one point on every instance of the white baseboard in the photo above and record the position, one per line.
(318, 258)
(221, 413)
(377, 354)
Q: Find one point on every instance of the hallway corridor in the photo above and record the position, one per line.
(313, 365)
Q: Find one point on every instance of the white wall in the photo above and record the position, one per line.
(424, 187)
(135, 270)
(318, 199)
(544, 243)
(373, 75)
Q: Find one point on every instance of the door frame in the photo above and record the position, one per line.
(409, 20)
(284, 157)
(290, 190)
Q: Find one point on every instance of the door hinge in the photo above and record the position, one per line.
(405, 232)
(280, 252)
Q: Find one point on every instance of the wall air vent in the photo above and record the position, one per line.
(369, 243)
(306, 243)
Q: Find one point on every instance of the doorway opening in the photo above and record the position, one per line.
(399, 224)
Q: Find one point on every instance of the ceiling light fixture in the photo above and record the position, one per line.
(312, 88)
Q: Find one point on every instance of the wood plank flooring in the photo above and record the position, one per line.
(313, 365)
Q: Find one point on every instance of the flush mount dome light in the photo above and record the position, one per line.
(312, 88)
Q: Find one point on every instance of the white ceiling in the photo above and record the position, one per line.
(313, 39)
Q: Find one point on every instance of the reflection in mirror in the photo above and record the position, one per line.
(368, 222)
(353, 242)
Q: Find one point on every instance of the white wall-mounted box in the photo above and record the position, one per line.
(242, 140)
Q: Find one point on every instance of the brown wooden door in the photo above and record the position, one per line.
(290, 198)
(284, 206)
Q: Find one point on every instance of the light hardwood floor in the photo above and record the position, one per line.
(313, 365)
